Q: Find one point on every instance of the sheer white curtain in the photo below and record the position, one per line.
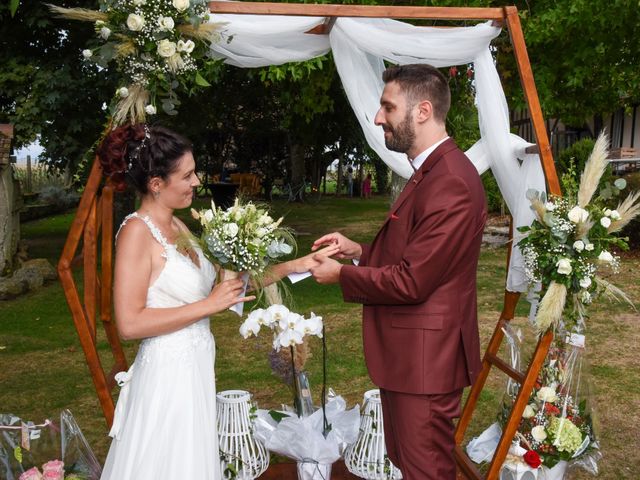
(360, 46)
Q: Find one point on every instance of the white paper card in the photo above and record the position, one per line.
(575, 339)
(296, 277)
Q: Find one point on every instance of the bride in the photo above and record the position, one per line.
(165, 419)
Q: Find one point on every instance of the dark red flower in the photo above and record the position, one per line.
(469, 73)
(532, 459)
(551, 409)
(453, 71)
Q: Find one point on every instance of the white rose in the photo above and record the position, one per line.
(87, 54)
(578, 245)
(166, 48)
(585, 297)
(528, 412)
(187, 46)
(123, 92)
(261, 232)
(550, 206)
(181, 5)
(105, 32)
(166, 23)
(538, 433)
(585, 282)
(137, 3)
(150, 109)
(605, 256)
(577, 215)
(135, 22)
(564, 266)
(589, 247)
(615, 215)
(208, 216)
(546, 394)
(230, 229)
(605, 222)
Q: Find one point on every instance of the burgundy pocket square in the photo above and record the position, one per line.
(394, 216)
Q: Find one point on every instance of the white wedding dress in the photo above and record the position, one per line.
(165, 418)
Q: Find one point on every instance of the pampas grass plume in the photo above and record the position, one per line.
(551, 306)
(628, 210)
(82, 14)
(593, 170)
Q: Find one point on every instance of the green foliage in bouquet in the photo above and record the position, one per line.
(573, 238)
(159, 47)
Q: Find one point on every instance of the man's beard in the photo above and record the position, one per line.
(402, 136)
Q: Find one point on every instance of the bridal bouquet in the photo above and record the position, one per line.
(159, 47)
(243, 237)
(573, 238)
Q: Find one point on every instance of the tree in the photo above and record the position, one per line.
(46, 90)
(584, 56)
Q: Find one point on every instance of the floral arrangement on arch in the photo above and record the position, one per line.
(573, 238)
(159, 47)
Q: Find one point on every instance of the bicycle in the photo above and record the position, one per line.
(304, 192)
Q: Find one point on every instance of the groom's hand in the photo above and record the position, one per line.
(326, 271)
(348, 249)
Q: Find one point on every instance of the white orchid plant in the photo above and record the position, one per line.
(289, 328)
(572, 239)
(160, 47)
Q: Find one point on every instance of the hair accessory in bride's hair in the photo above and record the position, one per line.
(135, 155)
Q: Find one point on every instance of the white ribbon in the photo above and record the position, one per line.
(123, 379)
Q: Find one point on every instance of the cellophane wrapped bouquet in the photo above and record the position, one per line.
(49, 450)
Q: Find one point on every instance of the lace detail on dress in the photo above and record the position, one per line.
(178, 346)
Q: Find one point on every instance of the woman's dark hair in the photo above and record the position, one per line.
(137, 153)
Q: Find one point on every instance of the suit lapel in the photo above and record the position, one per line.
(419, 175)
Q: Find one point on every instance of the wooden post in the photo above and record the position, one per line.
(28, 185)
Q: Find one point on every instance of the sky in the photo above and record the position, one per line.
(34, 150)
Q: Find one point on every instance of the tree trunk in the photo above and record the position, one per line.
(339, 179)
(296, 153)
(397, 184)
(10, 205)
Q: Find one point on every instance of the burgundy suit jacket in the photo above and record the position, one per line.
(417, 280)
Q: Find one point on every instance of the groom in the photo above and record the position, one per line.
(417, 280)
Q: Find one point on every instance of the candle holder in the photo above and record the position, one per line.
(240, 452)
(367, 457)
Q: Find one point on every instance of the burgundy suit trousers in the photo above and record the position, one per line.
(419, 433)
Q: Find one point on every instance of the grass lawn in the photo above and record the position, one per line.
(43, 368)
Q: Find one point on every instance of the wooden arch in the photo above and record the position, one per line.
(93, 224)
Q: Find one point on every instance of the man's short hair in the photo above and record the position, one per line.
(422, 82)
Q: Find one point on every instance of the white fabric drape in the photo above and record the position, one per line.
(360, 46)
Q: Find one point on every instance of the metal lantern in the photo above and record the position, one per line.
(367, 458)
(238, 448)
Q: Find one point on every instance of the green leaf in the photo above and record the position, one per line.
(13, 6)
(201, 81)
(17, 453)
(277, 416)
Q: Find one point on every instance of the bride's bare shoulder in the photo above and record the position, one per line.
(133, 232)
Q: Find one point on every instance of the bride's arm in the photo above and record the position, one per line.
(298, 265)
(132, 275)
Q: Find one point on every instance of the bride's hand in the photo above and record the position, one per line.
(304, 264)
(226, 294)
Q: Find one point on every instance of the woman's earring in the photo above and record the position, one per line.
(156, 194)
